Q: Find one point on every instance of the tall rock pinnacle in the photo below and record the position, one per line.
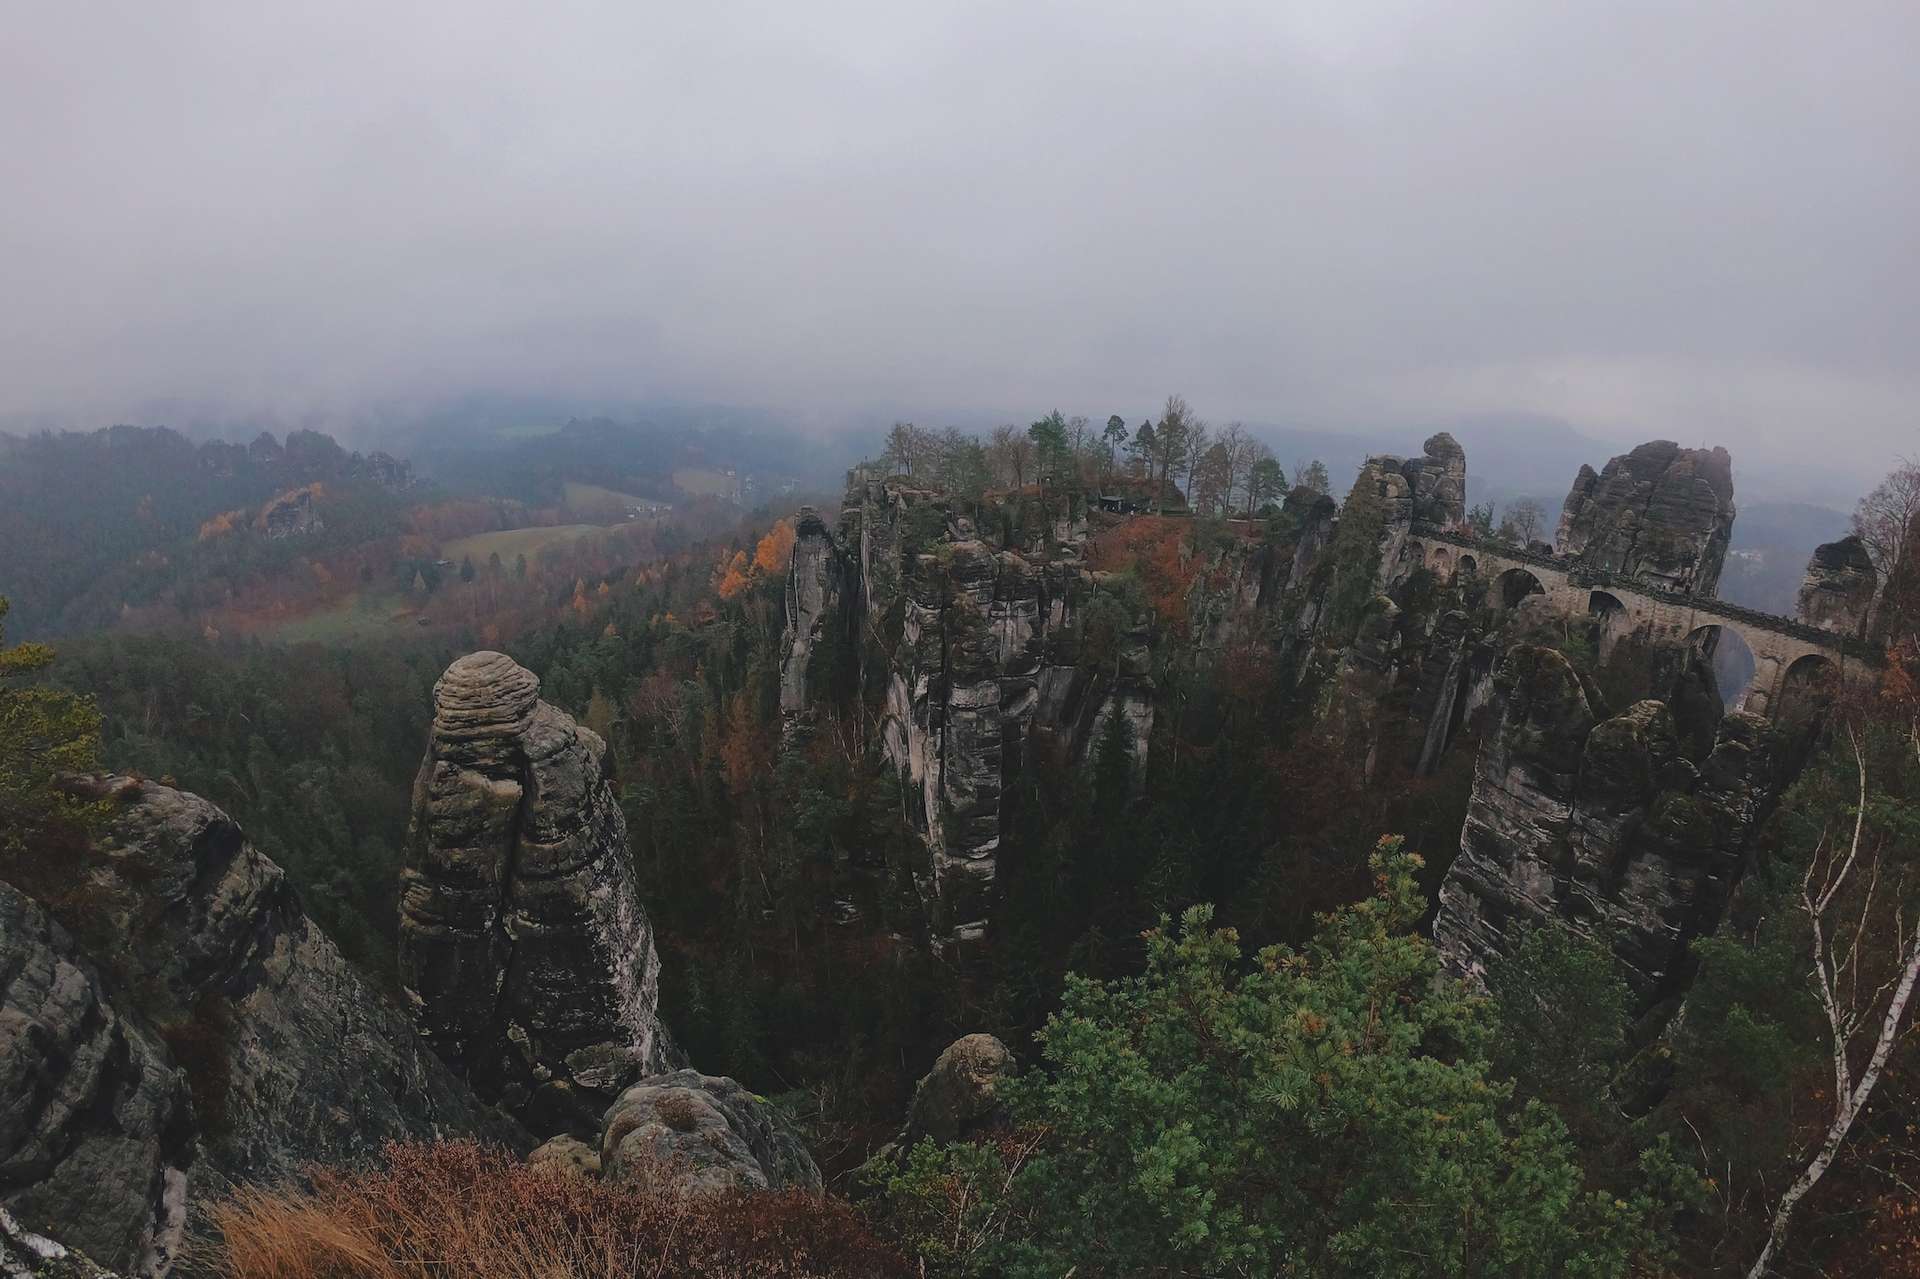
(524, 949)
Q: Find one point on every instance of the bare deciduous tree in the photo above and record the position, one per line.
(1010, 454)
(1170, 444)
(1838, 894)
(1526, 518)
(1888, 522)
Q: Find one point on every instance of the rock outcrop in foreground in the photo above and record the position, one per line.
(96, 1132)
(25, 1254)
(524, 949)
(1600, 822)
(174, 1024)
(1660, 513)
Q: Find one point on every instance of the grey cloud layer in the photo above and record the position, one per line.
(1674, 218)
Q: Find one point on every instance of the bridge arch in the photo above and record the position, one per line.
(1515, 585)
(1608, 620)
(1731, 659)
(1806, 687)
(1615, 607)
(1440, 563)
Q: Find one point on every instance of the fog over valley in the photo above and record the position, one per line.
(1639, 220)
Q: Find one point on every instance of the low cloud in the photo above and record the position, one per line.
(1690, 220)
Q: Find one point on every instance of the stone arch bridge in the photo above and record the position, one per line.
(1786, 653)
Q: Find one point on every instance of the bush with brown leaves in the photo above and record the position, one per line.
(458, 1208)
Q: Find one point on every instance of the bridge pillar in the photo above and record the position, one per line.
(1763, 687)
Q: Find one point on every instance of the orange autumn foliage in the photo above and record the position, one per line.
(459, 1208)
(775, 549)
(1153, 548)
(734, 577)
(221, 524)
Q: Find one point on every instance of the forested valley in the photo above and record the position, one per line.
(1218, 729)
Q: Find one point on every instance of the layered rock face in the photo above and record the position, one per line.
(1599, 822)
(208, 937)
(1429, 490)
(815, 608)
(26, 1254)
(695, 1134)
(96, 1133)
(192, 1029)
(974, 647)
(1662, 514)
(1436, 481)
(1837, 593)
(524, 949)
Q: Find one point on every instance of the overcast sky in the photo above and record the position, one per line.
(1691, 220)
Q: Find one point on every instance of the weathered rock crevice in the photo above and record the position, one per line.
(967, 649)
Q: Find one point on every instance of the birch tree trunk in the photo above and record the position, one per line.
(1845, 1015)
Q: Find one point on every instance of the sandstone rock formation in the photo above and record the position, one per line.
(1837, 593)
(1429, 490)
(525, 953)
(815, 608)
(211, 1035)
(26, 1254)
(96, 1132)
(205, 935)
(975, 639)
(1661, 513)
(567, 1154)
(1436, 481)
(696, 1134)
(956, 1098)
(1601, 822)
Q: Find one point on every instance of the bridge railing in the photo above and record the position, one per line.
(1578, 574)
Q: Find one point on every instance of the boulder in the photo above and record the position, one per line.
(957, 1097)
(695, 1134)
(525, 952)
(568, 1155)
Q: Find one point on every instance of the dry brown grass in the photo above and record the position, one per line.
(457, 1208)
